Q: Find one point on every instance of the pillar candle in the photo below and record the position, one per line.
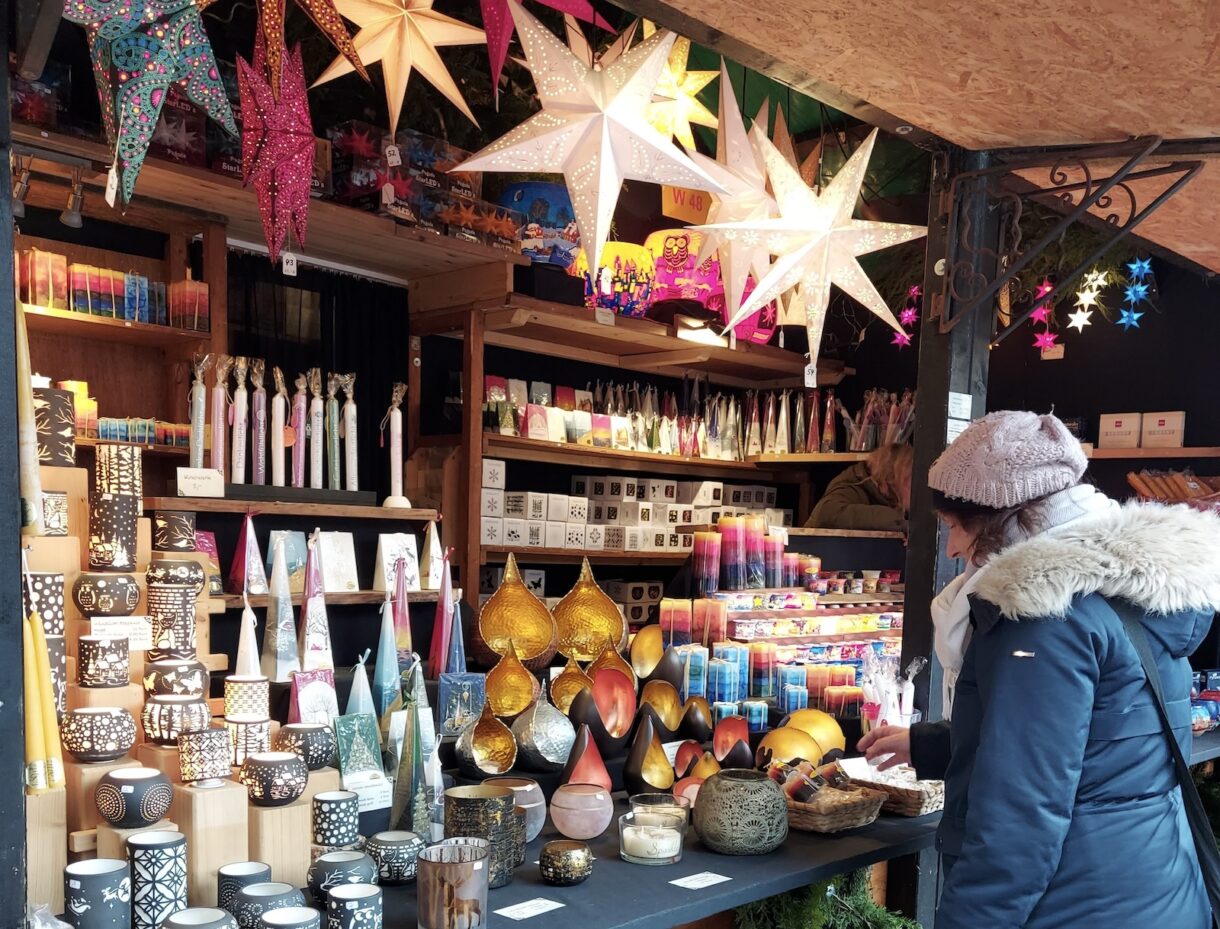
(393, 418)
(711, 621)
(241, 421)
(722, 679)
(740, 656)
(773, 552)
(792, 569)
(791, 675)
(258, 418)
(332, 431)
(694, 671)
(279, 411)
(755, 712)
(810, 566)
(792, 698)
(844, 701)
(198, 414)
(723, 709)
(818, 679)
(220, 413)
(300, 427)
(762, 669)
(676, 621)
(756, 558)
(347, 383)
(316, 428)
(705, 569)
(732, 553)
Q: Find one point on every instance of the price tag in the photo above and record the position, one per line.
(137, 630)
(604, 316)
(671, 751)
(960, 405)
(535, 907)
(288, 264)
(393, 157)
(200, 482)
(700, 880)
(387, 195)
(112, 186)
(811, 376)
(954, 428)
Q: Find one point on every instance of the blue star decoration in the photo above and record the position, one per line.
(1140, 268)
(1136, 293)
(1129, 319)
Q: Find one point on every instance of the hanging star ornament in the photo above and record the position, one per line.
(1086, 298)
(901, 339)
(1135, 293)
(909, 316)
(1140, 268)
(676, 98)
(1040, 313)
(1129, 319)
(139, 48)
(1043, 289)
(277, 145)
(593, 129)
(1095, 280)
(816, 240)
(1044, 340)
(1079, 320)
(404, 35)
(498, 24)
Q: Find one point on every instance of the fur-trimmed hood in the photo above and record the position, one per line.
(1163, 559)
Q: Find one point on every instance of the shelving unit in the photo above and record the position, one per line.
(105, 329)
(1152, 453)
(495, 554)
(275, 508)
(348, 598)
(153, 449)
(801, 532)
(817, 638)
(812, 458)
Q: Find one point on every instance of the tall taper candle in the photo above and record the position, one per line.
(279, 415)
(241, 420)
(199, 409)
(332, 431)
(46, 704)
(300, 426)
(351, 454)
(258, 419)
(35, 746)
(220, 416)
(393, 418)
(317, 428)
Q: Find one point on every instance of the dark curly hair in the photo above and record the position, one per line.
(993, 530)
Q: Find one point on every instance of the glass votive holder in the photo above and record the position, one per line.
(650, 838)
(669, 804)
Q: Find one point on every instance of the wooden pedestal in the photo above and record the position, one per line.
(130, 698)
(320, 780)
(81, 782)
(112, 842)
(46, 847)
(279, 836)
(164, 758)
(216, 823)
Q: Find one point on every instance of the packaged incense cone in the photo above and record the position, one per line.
(316, 428)
(258, 419)
(220, 412)
(300, 428)
(199, 408)
(241, 420)
(332, 431)
(348, 431)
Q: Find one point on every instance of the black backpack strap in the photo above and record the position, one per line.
(1200, 825)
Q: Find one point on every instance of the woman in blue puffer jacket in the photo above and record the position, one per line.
(1062, 807)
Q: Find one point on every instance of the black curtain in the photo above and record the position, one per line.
(329, 320)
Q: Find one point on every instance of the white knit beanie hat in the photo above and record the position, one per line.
(1008, 458)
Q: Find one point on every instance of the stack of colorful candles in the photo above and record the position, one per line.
(821, 678)
(711, 621)
(773, 547)
(740, 656)
(694, 670)
(793, 697)
(705, 567)
(723, 709)
(844, 701)
(756, 715)
(732, 552)
(723, 677)
(810, 566)
(676, 622)
(762, 669)
(756, 557)
(792, 569)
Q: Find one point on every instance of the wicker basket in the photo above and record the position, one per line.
(834, 810)
(905, 795)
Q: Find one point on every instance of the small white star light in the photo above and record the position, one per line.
(1079, 320)
(816, 240)
(676, 102)
(593, 128)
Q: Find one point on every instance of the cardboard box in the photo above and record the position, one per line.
(181, 133)
(621, 488)
(320, 184)
(633, 539)
(1163, 430)
(636, 514)
(514, 531)
(514, 505)
(610, 514)
(1119, 430)
(491, 530)
(701, 493)
(493, 473)
(554, 534)
(578, 510)
(557, 508)
(534, 580)
(535, 533)
(574, 536)
(655, 539)
(580, 485)
(615, 538)
(598, 484)
(356, 161)
(595, 538)
(491, 502)
(661, 491)
(597, 513)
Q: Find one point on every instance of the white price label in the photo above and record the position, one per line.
(393, 157)
(112, 186)
(387, 195)
(961, 406)
(811, 376)
(200, 482)
(137, 630)
(288, 264)
(671, 750)
(954, 428)
(525, 910)
(700, 880)
(604, 316)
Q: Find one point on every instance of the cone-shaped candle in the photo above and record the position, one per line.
(385, 671)
(247, 663)
(280, 657)
(315, 629)
(442, 625)
(360, 700)
(402, 615)
(585, 765)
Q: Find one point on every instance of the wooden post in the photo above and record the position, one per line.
(46, 848)
(216, 274)
(112, 841)
(472, 442)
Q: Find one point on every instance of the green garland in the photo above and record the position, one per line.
(843, 903)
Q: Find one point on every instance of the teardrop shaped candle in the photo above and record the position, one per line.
(514, 615)
(487, 745)
(670, 668)
(647, 769)
(610, 658)
(585, 765)
(615, 697)
(586, 618)
(687, 757)
(730, 731)
(544, 736)
(570, 682)
(510, 687)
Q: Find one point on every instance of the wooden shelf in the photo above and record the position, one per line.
(643, 345)
(276, 508)
(515, 448)
(1147, 453)
(817, 638)
(494, 554)
(801, 532)
(348, 598)
(174, 450)
(812, 458)
(336, 233)
(860, 599)
(79, 325)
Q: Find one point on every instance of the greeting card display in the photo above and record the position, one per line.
(392, 546)
(313, 698)
(338, 551)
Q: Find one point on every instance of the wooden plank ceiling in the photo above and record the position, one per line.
(993, 74)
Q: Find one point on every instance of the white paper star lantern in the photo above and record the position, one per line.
(676, 98)
(404, 35)
(593, 128)
(815, 239)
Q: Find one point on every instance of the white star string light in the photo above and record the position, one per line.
(676, 98)
(1079, 320)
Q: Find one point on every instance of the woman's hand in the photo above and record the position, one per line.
(894, 741)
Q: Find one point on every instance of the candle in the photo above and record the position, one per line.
(300, 428)
(694, 670)
(762, 669)
(732, 552)
(722, 675)
(792, 569)
(279, 410)
(740, 655)
(220, 412)
(258, 440)
(793, 697)
(676, 621)
(241, 421)
(393, 418)
(199, 402)
(332, 431)
(794, 675)
(705, 569)
(316, 428)
(844, 701)
(350, 449)
(756, 559)
(773, 550)
(756, 715)
(818, 679)
(650, 838)
(723, 709)
(711, 621)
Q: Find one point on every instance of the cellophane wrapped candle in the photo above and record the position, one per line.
(773, 553)
(220, 413)
(711, 621)
(722, 680)
(756, 557)
(705, 569)
(811, 565)
(333, 452)
(792, 570)
(723, 709)
(300, 419)
(676, 621)
(258, 423)
(199, 405)
(351, 454)
(732, 552)
(755, 712)
(817, 680)
(794, 675)
(317, 428)
(793, 697)
(762, 669)
(241, 420)
(694, 670)
(740, 656)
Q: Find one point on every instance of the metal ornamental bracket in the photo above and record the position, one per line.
(964, 290)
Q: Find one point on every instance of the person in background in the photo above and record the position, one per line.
(1057, 768)
(870, 495)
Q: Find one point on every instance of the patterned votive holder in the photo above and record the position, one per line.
(103, 661)
(205, 756)
(247, 695)
(248, 735)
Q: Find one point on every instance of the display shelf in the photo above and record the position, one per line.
(817, 638)
(859, 599)
(342, 598)
(150, 449)
(810, 458)
(1205, 451)
(277, 508)
(1205, 747)
(336, 233)
(643, 345)
(70, 323)
(515, 448)
(494, 554)
(802, 532)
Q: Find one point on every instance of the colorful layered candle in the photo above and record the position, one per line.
(705, 568)
(711, 621)
(773, 552)
(762, 669)
(732, 552)
(676, 621)
(756, 557)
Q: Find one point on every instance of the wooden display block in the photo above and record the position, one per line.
(320, 780)
(215, 822)
(81, 779)
(279, 836)
(164, 758)
(75, 483)
(112, 842)
(46, 847)
(130, 698)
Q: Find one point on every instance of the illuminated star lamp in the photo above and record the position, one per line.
(816, 240)
(1079, 320)
(676, 98)
(901, 339)
(909, 316)
(593, 128)
(1086, 298)
(498, 24)
(404, 35)
(1044, 340)
(1140, 268)
(137, 53)
(1135, 293)
(1129, 319)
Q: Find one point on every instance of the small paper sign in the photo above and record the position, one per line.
(387, 195)
(528, 908)
(200, 482)
(112, 186)
(393, 157)
(604, 315)
(685, 204)
(960, 405)
(671, 750)
(811, 376)
(288, 264)
(373, 789)
(137, 630)
(700, 880)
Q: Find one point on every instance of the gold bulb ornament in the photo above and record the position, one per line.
(823, 727)
(510, 687)
(586, 618)
(487, 745)
(787, 745)
(514, 616)
(568, 684)
(611, 660)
